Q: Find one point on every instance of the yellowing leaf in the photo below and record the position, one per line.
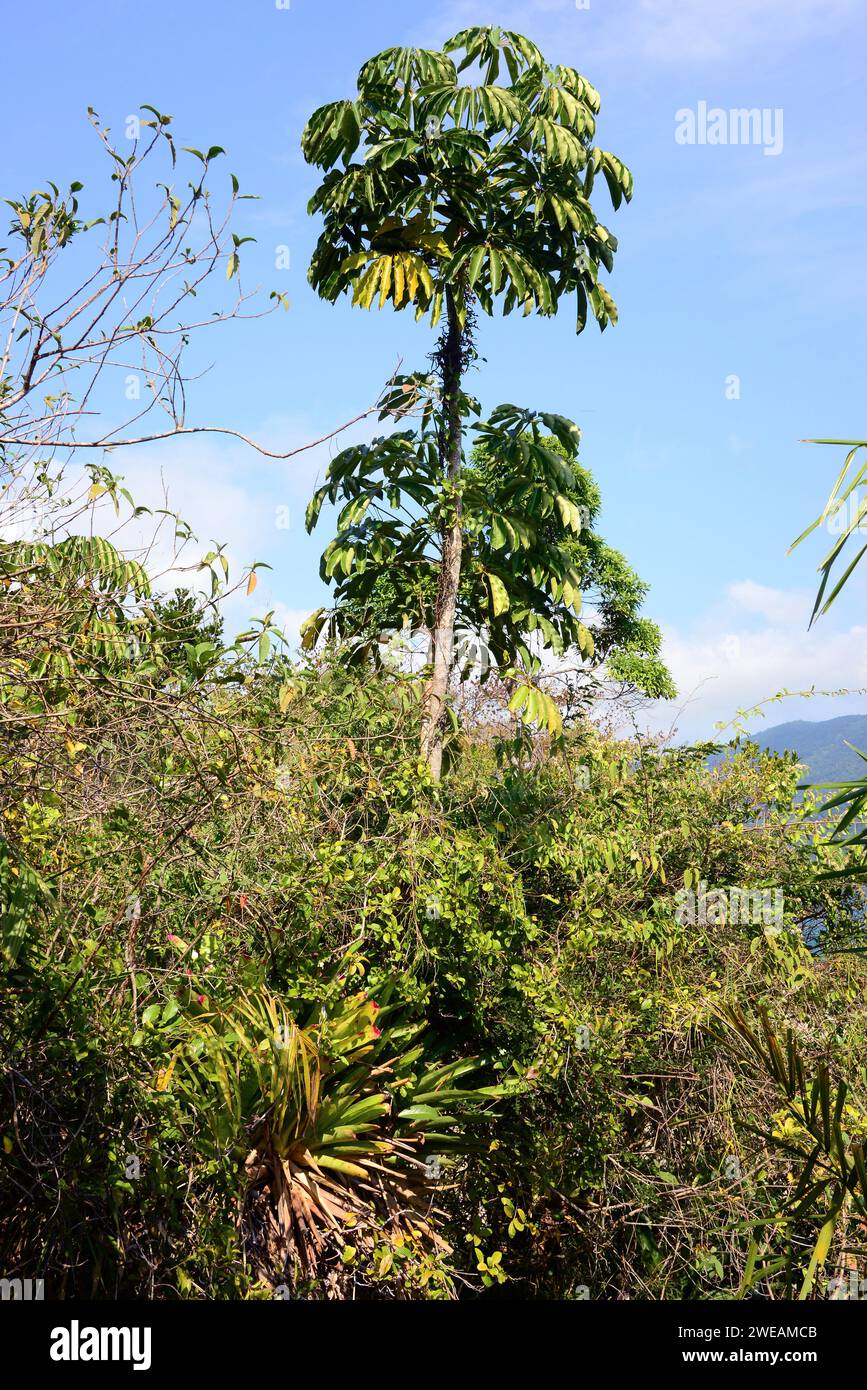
(385, 280)
(252, 581)
(311, 628)
(499, 595)
(164, 1076)
(553, 718)
(399, 281)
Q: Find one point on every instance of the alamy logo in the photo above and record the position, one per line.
(732, 906)
(847, 513)
(23, 1290)
(739, 126)
(77, 1343)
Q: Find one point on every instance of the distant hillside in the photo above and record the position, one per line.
(821, 744)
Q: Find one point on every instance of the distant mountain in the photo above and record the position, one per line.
(821, 744)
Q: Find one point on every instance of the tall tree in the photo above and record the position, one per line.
(465, 195)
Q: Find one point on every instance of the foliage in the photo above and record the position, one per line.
(286, 1012)
(821, 1130)
(481, 189)
(529, 552)
(200, 873)
(343, 1122)
(844, 513)
(466, 195)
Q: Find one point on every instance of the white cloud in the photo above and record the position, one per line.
(205, 484)
(666, 31)
(777, 605)
(288, 621)
(724, 663)
(695, 31)
(229, 495)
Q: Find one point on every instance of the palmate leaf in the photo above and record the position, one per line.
(84, 559)
(487, 44)
(411, 67)
(493, 164)
(521, 584)
(333, 132)
(517, 531)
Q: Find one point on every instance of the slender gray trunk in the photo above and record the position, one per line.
(451, 539)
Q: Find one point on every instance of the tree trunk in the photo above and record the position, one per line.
(451, 358)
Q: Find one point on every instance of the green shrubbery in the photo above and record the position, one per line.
(191, 865)
(331, 980)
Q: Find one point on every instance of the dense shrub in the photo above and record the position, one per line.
(193, 849)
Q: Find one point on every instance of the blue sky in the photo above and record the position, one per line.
(732, 262)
